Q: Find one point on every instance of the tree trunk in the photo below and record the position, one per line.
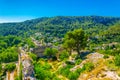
(78, 51)
(70, 51)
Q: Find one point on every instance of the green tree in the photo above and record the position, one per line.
(75, 40)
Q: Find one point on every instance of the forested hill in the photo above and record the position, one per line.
(51, 25)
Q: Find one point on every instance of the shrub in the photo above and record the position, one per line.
(50, 52)
(117, 60)
(65, 70)
(10, 67)
(78, 61)
(73, 75)
(88, 66)
(64, 55)
(105, 56)
(79, 70)
(17, 78)
(42, 72)
(47, 66)
(33, 56)
(74, 55)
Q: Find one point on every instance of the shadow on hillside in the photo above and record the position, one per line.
(83, 54)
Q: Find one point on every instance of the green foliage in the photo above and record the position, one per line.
(88, 66)
(17, 78)
(56, 78)
(0, 68)
(106, 56)
(61, 23)
(73, 75)
(33, 56)
(78, 61)
(117, 60)
(20, 74)
(113, 31)
(63, 55)
(10, 67)
(9, 41)
(75, 40)
(42, 71)
(99, 29)
(9, 55)
(65, 70)
(50, 52)
(29, 42)
(110, 52)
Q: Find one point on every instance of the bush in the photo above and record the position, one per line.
(88, 66)
(17, 78)
(117, 60)
(50, 52)
(56, 78)
(65, 70)
(78, 61)
(33, 56)
(79, 70)
(106, 56)
(73, 55)
(73, 75)
(10, 67)
(42, 73)
(64, 55)
(47, 66)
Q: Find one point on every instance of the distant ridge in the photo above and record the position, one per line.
(53, 24)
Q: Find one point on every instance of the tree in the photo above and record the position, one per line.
(75, 40)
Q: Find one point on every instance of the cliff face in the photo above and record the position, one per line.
(39, 51)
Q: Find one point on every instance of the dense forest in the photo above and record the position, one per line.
(69, 42)
(51, 25)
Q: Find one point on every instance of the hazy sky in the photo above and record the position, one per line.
(20, 10)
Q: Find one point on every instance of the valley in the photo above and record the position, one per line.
(61, 48)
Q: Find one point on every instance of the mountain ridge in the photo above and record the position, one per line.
(53, 24)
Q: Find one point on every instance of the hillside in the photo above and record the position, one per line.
(51, 25)
(61, 48)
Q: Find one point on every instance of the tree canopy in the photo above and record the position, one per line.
(75, 40)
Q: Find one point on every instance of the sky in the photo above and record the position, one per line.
(20, 10)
